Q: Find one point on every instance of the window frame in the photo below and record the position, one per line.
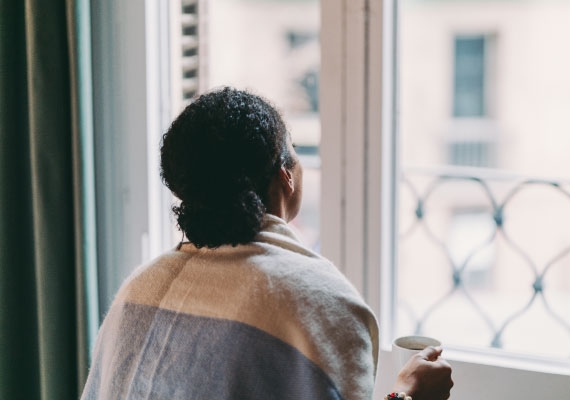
(359, 198)
(120, 89)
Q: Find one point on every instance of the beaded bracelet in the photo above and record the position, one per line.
(397, 395)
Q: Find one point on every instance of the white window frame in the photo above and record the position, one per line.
(121, 121)
(132, 109)
(358, 119)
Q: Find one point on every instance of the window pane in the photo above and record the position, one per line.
(484, 200)
(468, 85)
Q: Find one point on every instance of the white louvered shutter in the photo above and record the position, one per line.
(188, 56)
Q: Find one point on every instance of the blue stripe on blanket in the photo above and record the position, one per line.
(168, 355)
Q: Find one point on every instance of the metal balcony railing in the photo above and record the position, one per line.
(497, 193)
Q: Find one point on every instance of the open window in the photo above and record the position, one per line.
(444, 217)
(413, 156)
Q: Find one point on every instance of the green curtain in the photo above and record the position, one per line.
(47, 249)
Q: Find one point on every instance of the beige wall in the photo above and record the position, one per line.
(530, 92)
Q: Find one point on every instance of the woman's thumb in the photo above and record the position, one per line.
(431, 353)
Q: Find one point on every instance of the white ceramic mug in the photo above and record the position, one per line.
(406, 346)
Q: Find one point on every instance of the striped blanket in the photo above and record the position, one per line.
(267, 320)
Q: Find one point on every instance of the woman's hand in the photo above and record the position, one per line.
(425, 376)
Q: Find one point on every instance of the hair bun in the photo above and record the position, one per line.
(220, 221)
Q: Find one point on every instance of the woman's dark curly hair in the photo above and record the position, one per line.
(218, 157)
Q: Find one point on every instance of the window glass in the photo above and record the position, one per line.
(469, 77)
(484, 201)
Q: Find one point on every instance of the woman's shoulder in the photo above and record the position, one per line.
(284, 256)
(151, 280)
